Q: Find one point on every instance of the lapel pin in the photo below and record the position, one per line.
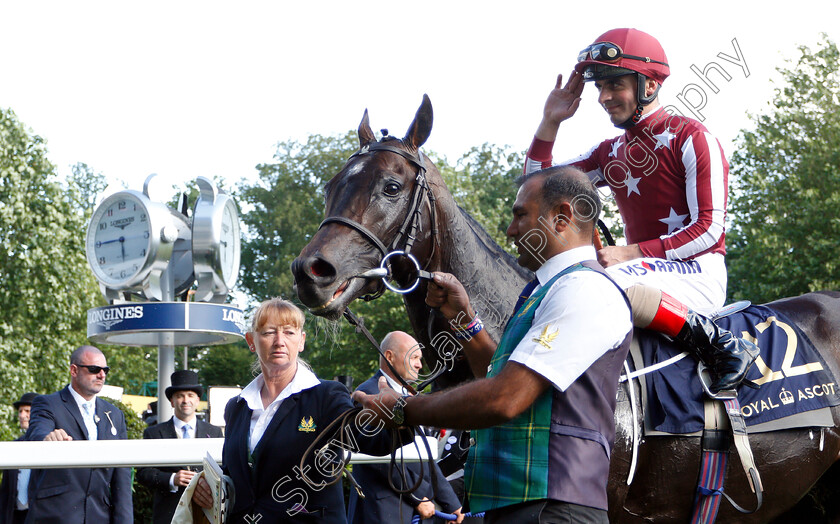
(113, 429)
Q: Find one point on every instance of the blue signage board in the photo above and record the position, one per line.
(166, 323)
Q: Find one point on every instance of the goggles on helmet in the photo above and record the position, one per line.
(609, 52)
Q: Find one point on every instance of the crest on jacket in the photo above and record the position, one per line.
(307, 425)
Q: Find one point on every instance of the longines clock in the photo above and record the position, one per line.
(215, 243)
(130, 243)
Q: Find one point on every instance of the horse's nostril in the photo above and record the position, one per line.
(322, 268)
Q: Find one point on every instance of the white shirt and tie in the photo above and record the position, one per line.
(399, 388)
(88, 411)
(182, 430)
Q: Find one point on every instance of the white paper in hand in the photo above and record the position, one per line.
(221, 487)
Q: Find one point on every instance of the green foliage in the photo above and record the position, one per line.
(228, 365)
(46, 287)
(131, 367)
(785, 191)
(482, 182)
(87, 186)
(284, 209)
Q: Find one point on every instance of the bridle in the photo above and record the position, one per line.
(410, 227)
(403, 241)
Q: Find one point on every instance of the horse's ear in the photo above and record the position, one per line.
(365, 132)
(421, 128)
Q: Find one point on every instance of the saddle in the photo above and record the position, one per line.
(796, 389)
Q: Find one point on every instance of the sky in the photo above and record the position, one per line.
(186, 89)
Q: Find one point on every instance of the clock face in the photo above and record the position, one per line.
(118, 240)
(229, 243)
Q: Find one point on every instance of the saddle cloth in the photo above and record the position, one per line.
(792, 375)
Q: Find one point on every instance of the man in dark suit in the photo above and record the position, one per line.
(169, 482)
(13, 490)
(79, 495)
(381, 503)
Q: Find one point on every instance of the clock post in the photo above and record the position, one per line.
(146, 255)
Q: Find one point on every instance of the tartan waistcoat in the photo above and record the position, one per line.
(559, 447)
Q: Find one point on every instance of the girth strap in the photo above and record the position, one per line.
(715, 457)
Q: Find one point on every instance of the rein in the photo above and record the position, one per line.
(410, 227)
(339, 434)
(342, 426)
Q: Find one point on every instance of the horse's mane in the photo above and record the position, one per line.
(490, 243)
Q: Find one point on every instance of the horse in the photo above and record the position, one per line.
(390, 196)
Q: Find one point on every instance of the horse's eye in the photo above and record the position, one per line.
(392, 189)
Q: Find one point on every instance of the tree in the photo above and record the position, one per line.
(86, 186)
(45, 285)
(483, 183)
(284, 209)
(226, 365)
(786, 186)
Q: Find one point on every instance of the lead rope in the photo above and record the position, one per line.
(359, 325)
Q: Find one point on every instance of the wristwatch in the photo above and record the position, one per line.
(398, 411)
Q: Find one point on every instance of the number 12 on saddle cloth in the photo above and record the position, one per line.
(792, 375)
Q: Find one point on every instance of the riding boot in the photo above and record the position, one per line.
(727, 357)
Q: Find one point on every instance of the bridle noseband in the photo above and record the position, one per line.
(407, 233)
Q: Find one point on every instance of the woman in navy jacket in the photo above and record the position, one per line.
(275, 419)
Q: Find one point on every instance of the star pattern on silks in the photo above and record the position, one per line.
(663, 139)
(615, 147)
(632, 184)
(673, 221)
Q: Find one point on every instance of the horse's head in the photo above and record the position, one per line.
(379, 202)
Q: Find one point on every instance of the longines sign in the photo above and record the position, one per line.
(170, 323)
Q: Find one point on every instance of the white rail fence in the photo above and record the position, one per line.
(143, 453)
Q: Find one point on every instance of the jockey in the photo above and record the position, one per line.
(669, 178)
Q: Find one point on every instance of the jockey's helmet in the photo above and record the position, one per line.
(625, 51)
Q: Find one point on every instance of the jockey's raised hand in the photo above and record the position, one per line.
(561, 104)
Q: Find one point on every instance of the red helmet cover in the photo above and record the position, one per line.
(633, 42)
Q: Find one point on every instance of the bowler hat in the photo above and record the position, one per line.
(25, 400)
(184, 380)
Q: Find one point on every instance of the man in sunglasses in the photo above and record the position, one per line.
(669, 177)
(79, 495)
